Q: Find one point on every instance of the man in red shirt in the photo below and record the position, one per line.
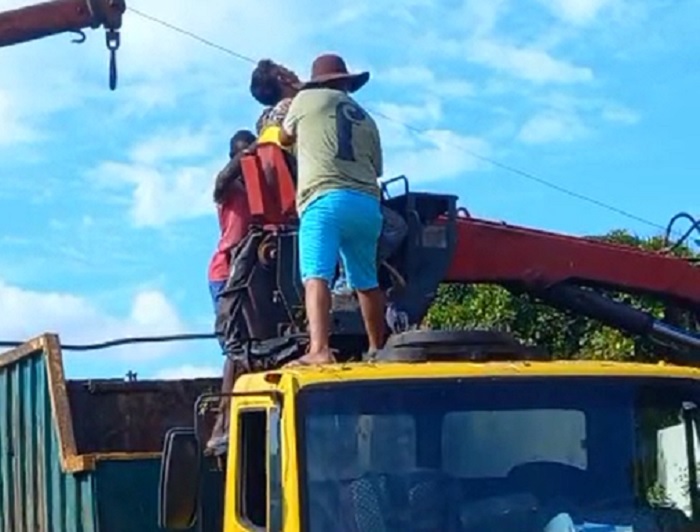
(234, 219)
(233, 212)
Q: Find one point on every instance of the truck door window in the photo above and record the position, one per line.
(252, 487)
(274, 442)
(668, 472)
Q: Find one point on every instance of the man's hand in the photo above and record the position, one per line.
(250, 150)
(227, 178)
(285, 138)
(232, 174)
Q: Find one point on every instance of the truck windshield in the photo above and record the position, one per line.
(501, 454)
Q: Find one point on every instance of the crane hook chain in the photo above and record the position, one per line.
(113, 43)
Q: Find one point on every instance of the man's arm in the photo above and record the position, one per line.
(228, 178)
(287, 138)
(288, 132)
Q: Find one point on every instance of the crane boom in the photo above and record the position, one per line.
(58, 16)
(542, 258)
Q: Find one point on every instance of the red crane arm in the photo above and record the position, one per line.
(58, 16)
(490, 252)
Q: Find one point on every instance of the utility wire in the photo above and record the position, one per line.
(422, 132)
(192, 35)
(532, 177)
(123, 341)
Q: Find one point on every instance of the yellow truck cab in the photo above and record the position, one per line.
(443, 442)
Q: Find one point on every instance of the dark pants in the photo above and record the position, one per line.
(230, 301)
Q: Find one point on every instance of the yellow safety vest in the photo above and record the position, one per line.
(271, 134)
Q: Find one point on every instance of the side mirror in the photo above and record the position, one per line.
(179, 480)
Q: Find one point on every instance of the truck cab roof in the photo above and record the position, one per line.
(365, 371)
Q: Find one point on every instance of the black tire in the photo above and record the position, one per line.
(449, 338)
(474, 345)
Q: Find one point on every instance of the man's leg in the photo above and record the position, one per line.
(218, 434)
(361, 228)
(319, 240)
(372, 304)
(318, 307)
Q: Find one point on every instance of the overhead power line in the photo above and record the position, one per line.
(422, 132)
(192, 35)
(123, 341)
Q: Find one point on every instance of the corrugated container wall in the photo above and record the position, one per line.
(35, 493)
(82, 456)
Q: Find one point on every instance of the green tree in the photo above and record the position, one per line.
(562, 334)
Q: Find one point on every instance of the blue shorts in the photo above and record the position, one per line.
(345, 224)
(215, 288)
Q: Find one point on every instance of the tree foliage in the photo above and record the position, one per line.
(563, 335)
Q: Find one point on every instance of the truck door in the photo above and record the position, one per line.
(253, 477)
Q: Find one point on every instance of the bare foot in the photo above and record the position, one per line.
(312, 359)
(216, 446)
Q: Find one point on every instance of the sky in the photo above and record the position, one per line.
(107, 224)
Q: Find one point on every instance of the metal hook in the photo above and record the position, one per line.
(81, 37)
(113, 42)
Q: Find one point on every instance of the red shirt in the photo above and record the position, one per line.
(234, 219)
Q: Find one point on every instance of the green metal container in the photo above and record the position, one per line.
(83, 456)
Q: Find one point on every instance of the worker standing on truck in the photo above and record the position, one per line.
(232, 210)
(339, 160)
(234, 220)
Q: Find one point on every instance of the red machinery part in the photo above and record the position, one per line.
(270, 186)
(491, 252)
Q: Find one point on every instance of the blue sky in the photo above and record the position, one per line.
(107, 225)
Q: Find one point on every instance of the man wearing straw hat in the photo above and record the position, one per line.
(339, 160)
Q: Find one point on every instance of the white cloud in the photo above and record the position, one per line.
(188, 371)
(163, 194)
(620, 114)
(566, 118)
(28, 313)
(164, 146)
(478, 17)
(169, 175)
(470, 32)
(430, 112)
(578, 12)
(530, 64)
(15, 128)
(437, 155)
(408, 74)
(552, 126)
(423, 77)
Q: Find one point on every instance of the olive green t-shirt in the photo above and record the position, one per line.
(337, 144)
